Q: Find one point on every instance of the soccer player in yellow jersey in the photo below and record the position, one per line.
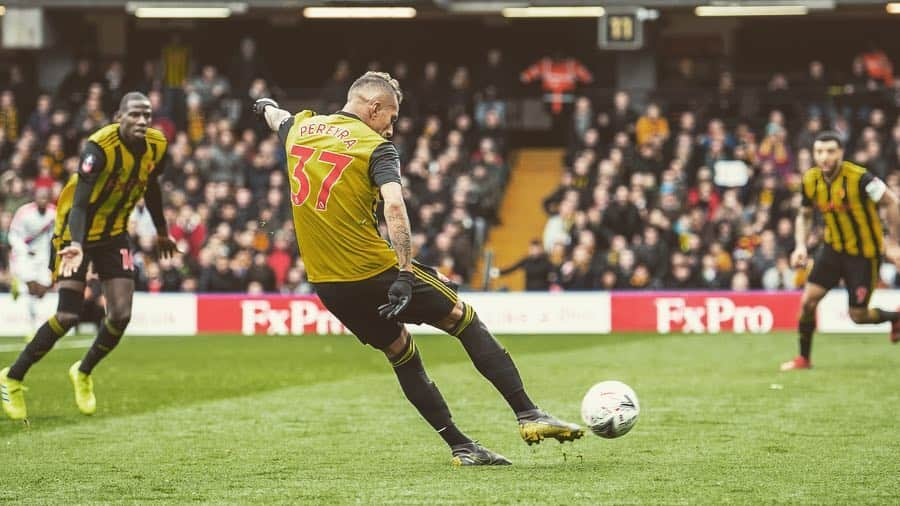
(848, 197)
(120, 162)
(339, 166)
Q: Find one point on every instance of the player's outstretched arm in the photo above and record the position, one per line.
(269, 110)
(512, 268)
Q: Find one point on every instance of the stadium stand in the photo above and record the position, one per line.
(225, 187)
(681, 188)
(701, 194)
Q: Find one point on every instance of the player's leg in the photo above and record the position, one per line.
(36, 292)
(866, 315)
(14, 288)
(806, 327)
(435, 302)
(15, 269)
(32, 278)
(114, 267)
(487, 354)
(861, 278)
(71, 292)
(825, 275)
(94, 308)
(355, 305)
(497, 366)
(348, 302)
(422, 393)
(119, 294)
(39, 283)
(433, 295)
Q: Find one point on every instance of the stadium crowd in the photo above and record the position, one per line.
(224, 183)
(674, 195)
(704, 197)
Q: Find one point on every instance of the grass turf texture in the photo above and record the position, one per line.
(321, 420)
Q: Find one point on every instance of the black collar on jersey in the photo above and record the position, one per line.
(349, 115)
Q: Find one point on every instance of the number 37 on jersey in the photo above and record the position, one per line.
(316, 166)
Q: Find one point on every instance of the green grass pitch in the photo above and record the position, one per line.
(321, 420)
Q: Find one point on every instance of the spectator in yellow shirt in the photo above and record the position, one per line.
(651, 127)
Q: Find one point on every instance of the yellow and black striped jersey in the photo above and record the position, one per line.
(849, 208)
(118, 175)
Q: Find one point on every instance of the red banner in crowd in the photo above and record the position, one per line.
(272, 315)
(693, 312)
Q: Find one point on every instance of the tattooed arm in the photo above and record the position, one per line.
(401, 291)
(398, 224)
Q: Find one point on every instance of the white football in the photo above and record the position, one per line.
(610, 409)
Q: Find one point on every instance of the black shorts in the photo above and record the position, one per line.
(860, 274)
(355, 303)
(111, 259)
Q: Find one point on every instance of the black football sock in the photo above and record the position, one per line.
(806, 328)
(885, 316)
(42, 342)
(492, 360)
(108, 337)
(425, 396)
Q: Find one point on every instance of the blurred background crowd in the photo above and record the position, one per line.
(667, 191)
(704, 197)
(225, 187)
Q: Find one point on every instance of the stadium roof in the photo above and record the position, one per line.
(452, 6)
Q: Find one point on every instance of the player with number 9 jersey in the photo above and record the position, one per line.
(848, 197)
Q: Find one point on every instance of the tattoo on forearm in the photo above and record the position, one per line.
(400, 234)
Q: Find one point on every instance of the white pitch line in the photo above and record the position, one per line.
(62, 344)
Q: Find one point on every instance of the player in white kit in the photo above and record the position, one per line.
(29, 238)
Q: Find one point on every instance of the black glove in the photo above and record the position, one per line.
(259, 107)
(399, 295)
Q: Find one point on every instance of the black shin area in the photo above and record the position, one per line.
(886, 316)
(494, 362)
(424, 394)
(108, 338)
(119, 293)
(806, 328)
(48, 333)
